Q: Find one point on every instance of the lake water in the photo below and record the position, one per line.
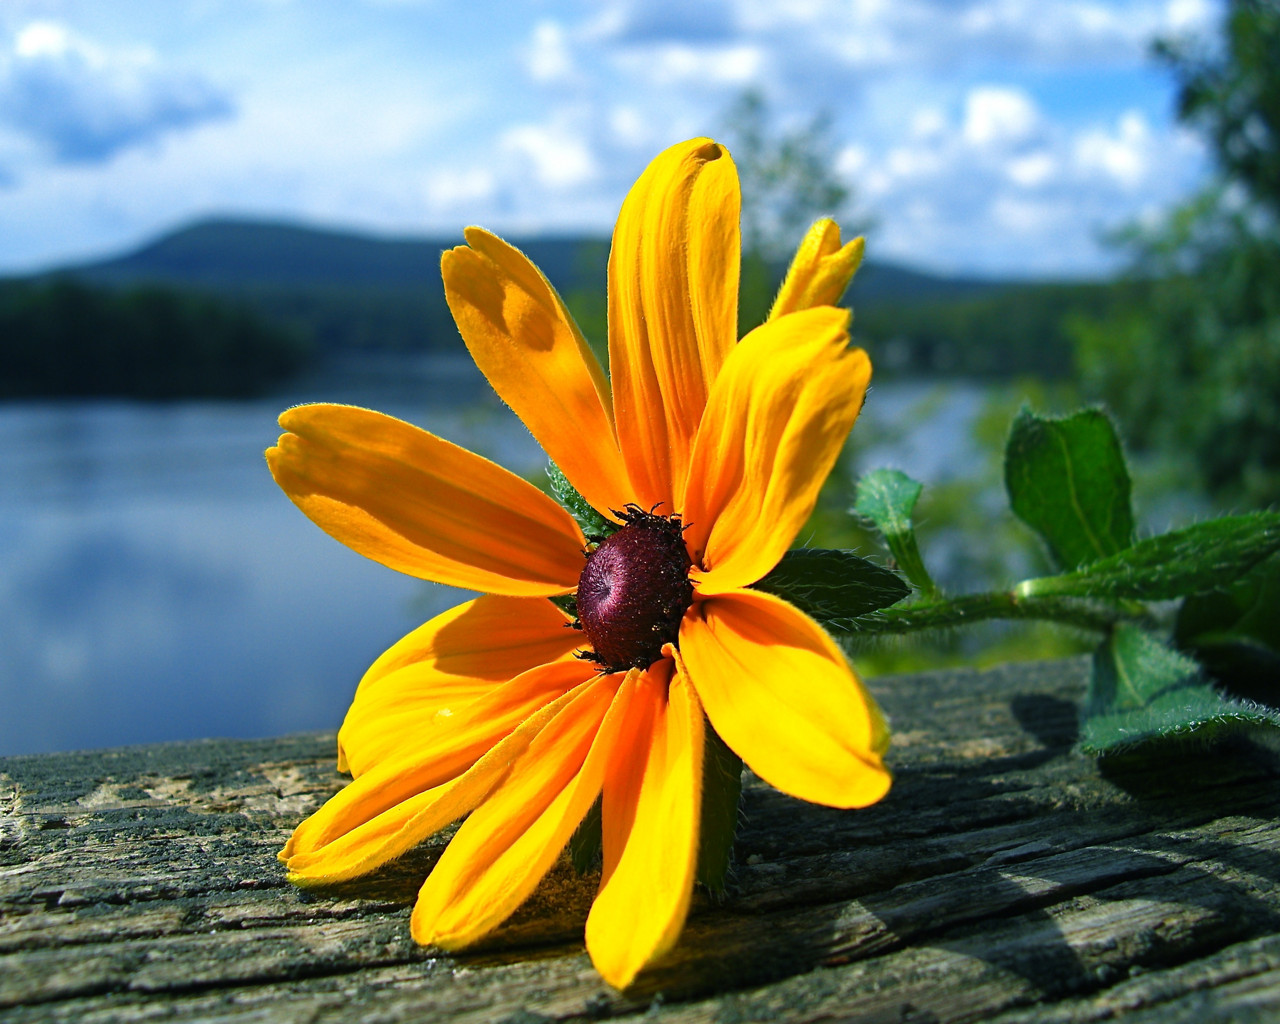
(156, 585)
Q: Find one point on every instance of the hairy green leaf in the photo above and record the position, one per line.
(594, 525)
(1235, 632)
(1195, 560)
(888, 497)
(721, 791)
(1141, 690)
(833, 586)
(1067, 479)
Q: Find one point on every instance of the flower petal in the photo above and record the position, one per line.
(673, 295)
(524, 340)
(775, 422)
(398, 828)
(440, 753)
(782, 696)
(423, 506)
(444, 665)
(650, 815)
(502, 851)
(820, 270)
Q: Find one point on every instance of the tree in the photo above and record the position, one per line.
(1191, 360)
(789, 180)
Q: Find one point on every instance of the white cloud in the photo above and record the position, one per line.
(1032, 169)
(1190, 15)
(559, 158)
(83, 103)
(1124, 155)
(682, 64)
(998, 115)
(629, 125)
(450, 190)
(549, 59)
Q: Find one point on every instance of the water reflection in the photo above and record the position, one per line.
(156, 585)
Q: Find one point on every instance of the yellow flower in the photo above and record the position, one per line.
(712, 452)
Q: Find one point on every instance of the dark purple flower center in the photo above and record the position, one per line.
(634, 590)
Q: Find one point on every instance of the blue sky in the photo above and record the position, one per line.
(984, 136)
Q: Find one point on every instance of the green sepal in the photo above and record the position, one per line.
(887, 497)
(1195, 560)
(1141, 691)
(1235, 632)
(721, 791)
(587, 841)
(833, 587)
(1067, 479)
(567, 603)
(595, 526)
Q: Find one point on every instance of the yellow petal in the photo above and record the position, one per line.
(820, 271)
(423, 506)
(502, 851)
(444, 665)
(776, 419)
(673, 295)
(439, 753)
(650, 815)
(782, 696)
(399, 827)
(524, 340)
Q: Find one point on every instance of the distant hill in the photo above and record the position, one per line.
(234, 254)
(347, 292)
(237, 254)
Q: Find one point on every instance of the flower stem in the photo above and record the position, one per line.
(996, 604)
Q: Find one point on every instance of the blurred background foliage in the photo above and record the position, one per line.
(1188, 356)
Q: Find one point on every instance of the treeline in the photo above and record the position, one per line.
(64, 338)
(1023, 330)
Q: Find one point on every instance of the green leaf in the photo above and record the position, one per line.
(721, 790)
(833, 586)
(1207, 556)
(587, 841)
(887, 497)
(594, 525)
(1141, 690)
(1067, 479)
(1235, 632)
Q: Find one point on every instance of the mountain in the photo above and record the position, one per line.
(347, 291)
(237, 254)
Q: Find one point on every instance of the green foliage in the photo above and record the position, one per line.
(1235, 631)
(63, 338)
(887, 497)
(991, 332)
(1141, 690)
(1232, 94)
(1181, 563)
(1190, 360)
(1067, 479)
(833, 587)
(721, 792)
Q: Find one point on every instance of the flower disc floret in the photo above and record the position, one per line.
(634, 590)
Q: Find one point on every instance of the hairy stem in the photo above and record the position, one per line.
(996, 604)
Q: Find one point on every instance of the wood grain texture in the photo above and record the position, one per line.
(1004, 878)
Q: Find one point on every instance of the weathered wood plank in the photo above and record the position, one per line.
(1005, 877)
